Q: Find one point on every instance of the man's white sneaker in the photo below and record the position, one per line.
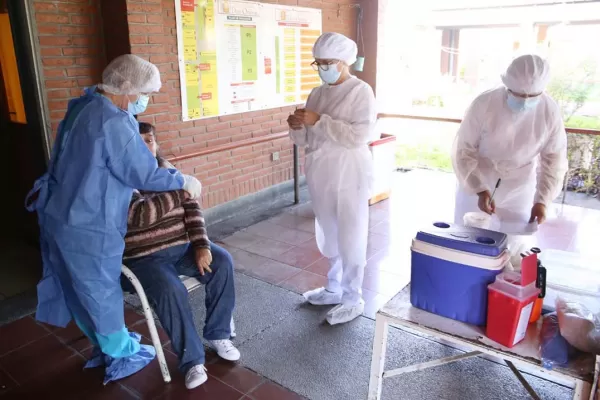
(322, 297)
(343, 313)
(195, 377)
(225, 349)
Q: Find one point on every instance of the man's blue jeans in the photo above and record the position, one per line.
(159, 275)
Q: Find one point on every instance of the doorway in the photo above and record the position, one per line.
(22, 153)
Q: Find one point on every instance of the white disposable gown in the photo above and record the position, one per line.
(526, 149)
(339, 177)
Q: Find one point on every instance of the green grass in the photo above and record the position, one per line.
(423, 156)
(578, 121)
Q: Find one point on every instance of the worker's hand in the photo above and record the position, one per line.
(307, 117)
(484, 202)
(538, 213)
(203, 260)
(294, 122)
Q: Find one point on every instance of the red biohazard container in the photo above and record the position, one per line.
(509, 308)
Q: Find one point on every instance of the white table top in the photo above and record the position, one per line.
(400, 308)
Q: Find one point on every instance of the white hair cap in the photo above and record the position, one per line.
(335, 46)
(129, 74)
(527, 74)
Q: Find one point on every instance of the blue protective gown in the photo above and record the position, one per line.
(82, 204)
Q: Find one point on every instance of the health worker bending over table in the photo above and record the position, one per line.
(514, 133)
(336, 127)
(82, 204)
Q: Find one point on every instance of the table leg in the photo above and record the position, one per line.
(523, 381)
(582, 390)
(378, 359)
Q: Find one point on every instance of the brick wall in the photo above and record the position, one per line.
(73, 57)
(71, 47)
(231, 174)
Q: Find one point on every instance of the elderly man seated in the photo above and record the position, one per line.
(166, 237)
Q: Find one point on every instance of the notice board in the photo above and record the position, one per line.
(239, 56)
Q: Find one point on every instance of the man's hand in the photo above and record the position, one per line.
(203, 260)
(294, 122)
(484, 202)
(307, 117)
(538, 213)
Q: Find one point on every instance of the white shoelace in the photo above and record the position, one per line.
(226, 344)
(197, 370)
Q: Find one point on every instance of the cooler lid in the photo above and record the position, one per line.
(571, 272)
(471, 240)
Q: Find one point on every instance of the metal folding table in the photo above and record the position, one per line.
(583, 374)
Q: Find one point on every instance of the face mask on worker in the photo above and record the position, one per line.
(331, 75)
(140, 105)
(520, 104)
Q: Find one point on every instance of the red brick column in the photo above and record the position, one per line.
(71, 47)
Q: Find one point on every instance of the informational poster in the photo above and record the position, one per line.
(239, 56)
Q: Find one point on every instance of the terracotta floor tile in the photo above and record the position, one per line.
(70, 381)
(111, 392)
(142, 329)
(132, 317)
(245, 261)
(240, 378)
(242, 240)
(73, 336)
(310, 244)
(149, 384)
(382, 205)
(295, 222)
(213, 389)
(304, 281)
(269, 248)
(19, 333)
(257, 244)
(272, 272)
(299, 257)
(382, 228)
(279, 233)
(320, 267)
(396, 261)
(378, 215)
(35, 359)
(6, 383)
(384, 282)
(304, 210)
(271, 391)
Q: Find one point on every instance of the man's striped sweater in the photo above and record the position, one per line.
(159, 220)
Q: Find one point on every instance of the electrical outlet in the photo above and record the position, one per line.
(275, 156)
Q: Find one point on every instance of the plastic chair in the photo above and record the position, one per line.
(190, 284)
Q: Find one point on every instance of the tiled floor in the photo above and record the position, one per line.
(283, 251)
(37, 361)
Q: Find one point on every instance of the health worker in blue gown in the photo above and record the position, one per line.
(82, 203)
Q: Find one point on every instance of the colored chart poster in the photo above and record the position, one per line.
(196, 40)
(238, 56)
(296, 35)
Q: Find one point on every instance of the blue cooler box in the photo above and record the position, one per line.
(451, 267)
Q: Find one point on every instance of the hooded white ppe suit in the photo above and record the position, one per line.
(339, 169)
(527, 149)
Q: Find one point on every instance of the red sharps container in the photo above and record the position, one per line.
(509, 308)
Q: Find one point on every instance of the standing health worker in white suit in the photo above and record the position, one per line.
(514, 133)
(336, 127)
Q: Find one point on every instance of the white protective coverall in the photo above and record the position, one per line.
(339, 170)
(525, 148)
